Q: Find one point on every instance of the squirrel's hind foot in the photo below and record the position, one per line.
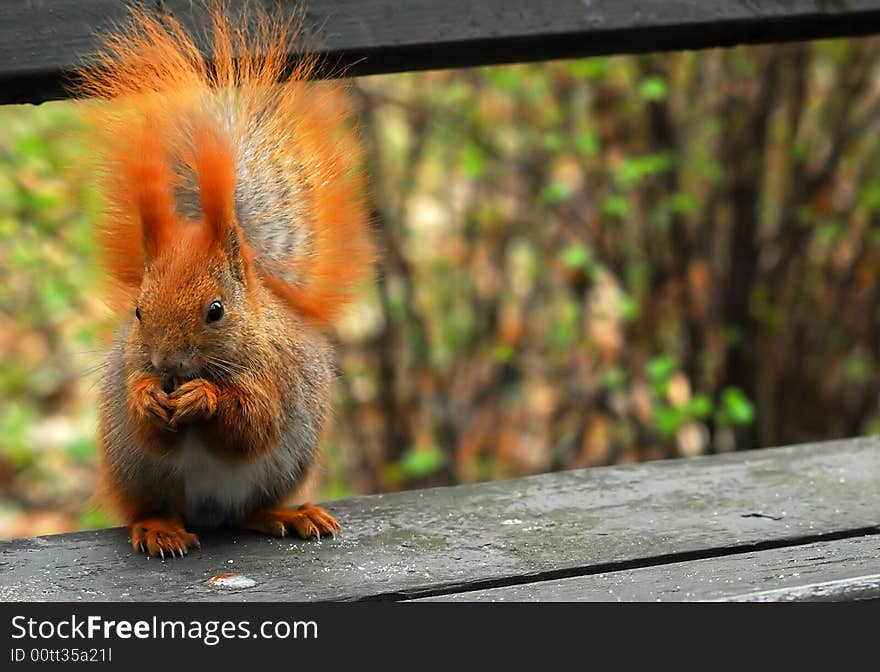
(159, 537)
(307, 521)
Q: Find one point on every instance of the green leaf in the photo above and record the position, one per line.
(629, 308)
(474, 161)
(556, 192)
(420, 462)
(55, 294)
(577, 257)
(588, 68)
(654, 88)
(81, 449)
(504, 78)
(15, 421)
(503, 352)
(635, 169)
(616, 206)
(588, 144)
(661, 368)
(32, 147)
(737, 407)
(92, 518)
(40, 199)
(667, 420)
(681, 204)
(700, 406)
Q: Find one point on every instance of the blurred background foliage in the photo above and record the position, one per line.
(584, 263)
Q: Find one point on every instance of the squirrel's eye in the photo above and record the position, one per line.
(137, 313)
(215, 311)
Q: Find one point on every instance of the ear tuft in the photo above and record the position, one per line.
(214, 166)
(149, 178)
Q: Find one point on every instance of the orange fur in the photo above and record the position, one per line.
(147, 173)
(214, 166)
(152, 409)
(306, 520)
(161, 108)
(245, 422)
(194, 400)
(161, 536)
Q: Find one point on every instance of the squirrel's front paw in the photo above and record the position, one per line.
(150, 402)
(307, 521)
(194, 400)
(158, 536)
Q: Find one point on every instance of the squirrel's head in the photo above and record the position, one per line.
(192, 307)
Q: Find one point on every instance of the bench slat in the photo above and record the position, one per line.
(42, 39)
(473, 537)
(844, 569)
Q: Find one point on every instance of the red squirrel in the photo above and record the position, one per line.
(236, 228)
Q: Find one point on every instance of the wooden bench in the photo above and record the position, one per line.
(780, 524)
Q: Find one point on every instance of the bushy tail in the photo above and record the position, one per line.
(298, 187)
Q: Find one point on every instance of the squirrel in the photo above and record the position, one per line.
(235, 231)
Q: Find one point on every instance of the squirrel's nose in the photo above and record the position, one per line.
(170, 364)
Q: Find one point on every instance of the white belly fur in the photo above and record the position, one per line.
(215, 490)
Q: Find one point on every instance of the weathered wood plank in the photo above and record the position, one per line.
(40, 40)
(473, 537)
(844, 569)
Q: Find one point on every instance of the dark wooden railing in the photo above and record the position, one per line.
(42, 40)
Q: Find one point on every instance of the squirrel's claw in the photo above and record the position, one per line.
(156, 536)
(309, 522)
(150, 402)
(194, 400)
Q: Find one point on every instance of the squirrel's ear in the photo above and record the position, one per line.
(150, 181)
(214, 167)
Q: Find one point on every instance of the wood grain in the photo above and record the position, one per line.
(474, 537)
(840, 570)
